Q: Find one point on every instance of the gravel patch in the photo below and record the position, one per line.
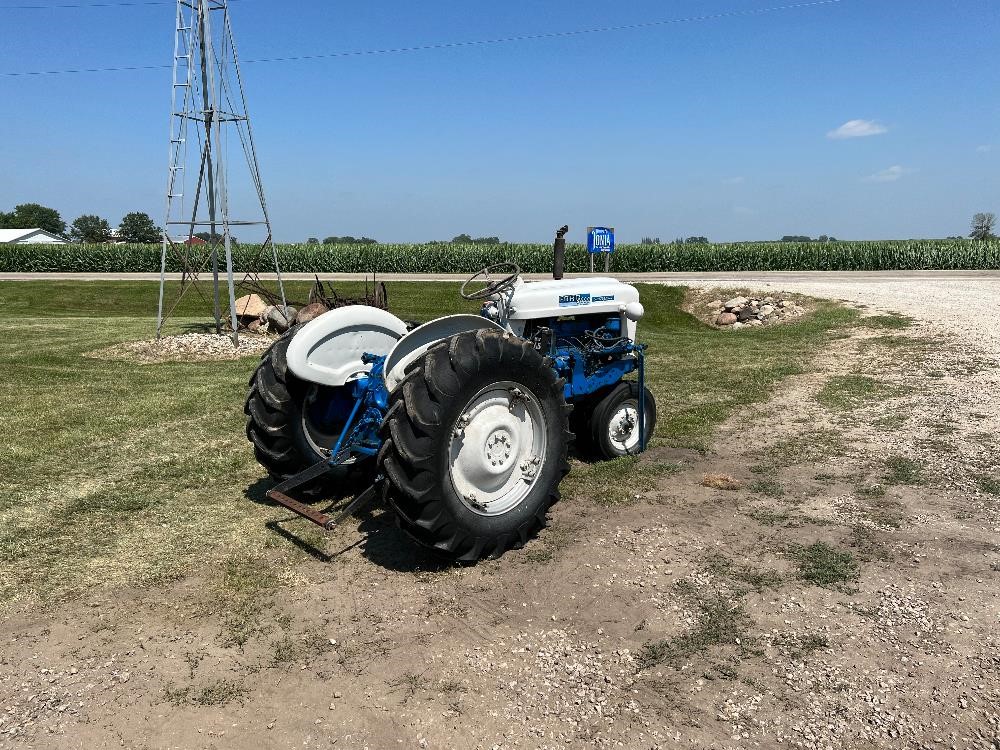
(966, 309)
(553, 686)
(186, 347)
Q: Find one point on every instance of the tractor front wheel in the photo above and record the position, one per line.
(614, 421)
(475, 444)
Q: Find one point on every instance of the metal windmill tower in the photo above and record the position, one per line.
(207, 104)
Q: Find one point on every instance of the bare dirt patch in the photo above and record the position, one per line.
(186, 347)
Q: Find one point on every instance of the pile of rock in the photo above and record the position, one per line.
(742, 311)
(254, 314)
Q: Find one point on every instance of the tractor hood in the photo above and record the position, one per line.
(584, 296)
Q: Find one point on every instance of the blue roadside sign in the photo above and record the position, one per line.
(600, 239)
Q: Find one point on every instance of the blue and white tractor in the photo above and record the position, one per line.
(463, 423)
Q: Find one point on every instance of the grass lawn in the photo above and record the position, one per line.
(121, 474)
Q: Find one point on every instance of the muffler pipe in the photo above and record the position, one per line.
(559, 252)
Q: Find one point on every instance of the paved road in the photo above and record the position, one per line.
(743, 277)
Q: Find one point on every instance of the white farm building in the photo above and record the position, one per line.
(30, 237)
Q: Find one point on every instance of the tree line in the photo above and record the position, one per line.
(134, 227)
(138, 226)
(459, 239)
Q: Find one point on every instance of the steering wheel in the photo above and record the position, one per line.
(509, 272)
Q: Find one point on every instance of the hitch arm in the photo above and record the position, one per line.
(279, 495)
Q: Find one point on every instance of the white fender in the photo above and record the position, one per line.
(419, 340)
(328, 349)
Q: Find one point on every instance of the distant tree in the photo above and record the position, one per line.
(461, 239)
(650, 241)
(823, 238)
(348, 240)
(312, 241)
(982, 226)
(696, 241)
(486, 240)
(138, 227)
(32, 215)
(796, 238)
(90, 228)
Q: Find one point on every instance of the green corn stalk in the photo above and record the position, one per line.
(533, 258)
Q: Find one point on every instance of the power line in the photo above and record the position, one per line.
(454, 45)
(89, 5)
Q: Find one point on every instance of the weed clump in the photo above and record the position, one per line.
(823, 565)
(890, 321)
(988, 485)
(721, 482)
(767, 486)
(719, 622)
(903, 470)
(217, 693)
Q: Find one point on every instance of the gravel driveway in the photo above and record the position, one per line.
(965, 308)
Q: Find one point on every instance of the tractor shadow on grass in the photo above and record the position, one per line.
(201, 328)
(379, 539)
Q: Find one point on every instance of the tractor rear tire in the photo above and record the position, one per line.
(282, 441)
(481, 406)
(613, 429)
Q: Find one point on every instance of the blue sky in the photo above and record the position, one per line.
(718, 127)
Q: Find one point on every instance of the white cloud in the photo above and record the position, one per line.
(984, 149)
(891, 174)
(857, 129)
(734, 180)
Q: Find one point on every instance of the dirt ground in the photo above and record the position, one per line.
(842, 592)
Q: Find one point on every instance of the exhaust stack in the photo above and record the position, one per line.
(559, 252)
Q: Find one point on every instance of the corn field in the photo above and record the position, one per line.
(533, 258)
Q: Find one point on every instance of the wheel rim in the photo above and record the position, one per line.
(319, 432)
(623, 427)
(496, 452)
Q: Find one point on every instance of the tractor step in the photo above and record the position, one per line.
(278, 494)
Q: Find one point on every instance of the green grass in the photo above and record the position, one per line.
(720, 622)
(617, 481)
(843, 393)
(756, 578)
(823, 565)
(121, 474)
(242, 590)
(988, 485)
(891, 321)
(767, 486)
(811, 446)
(903, 470)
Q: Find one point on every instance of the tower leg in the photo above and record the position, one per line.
(232, 290)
